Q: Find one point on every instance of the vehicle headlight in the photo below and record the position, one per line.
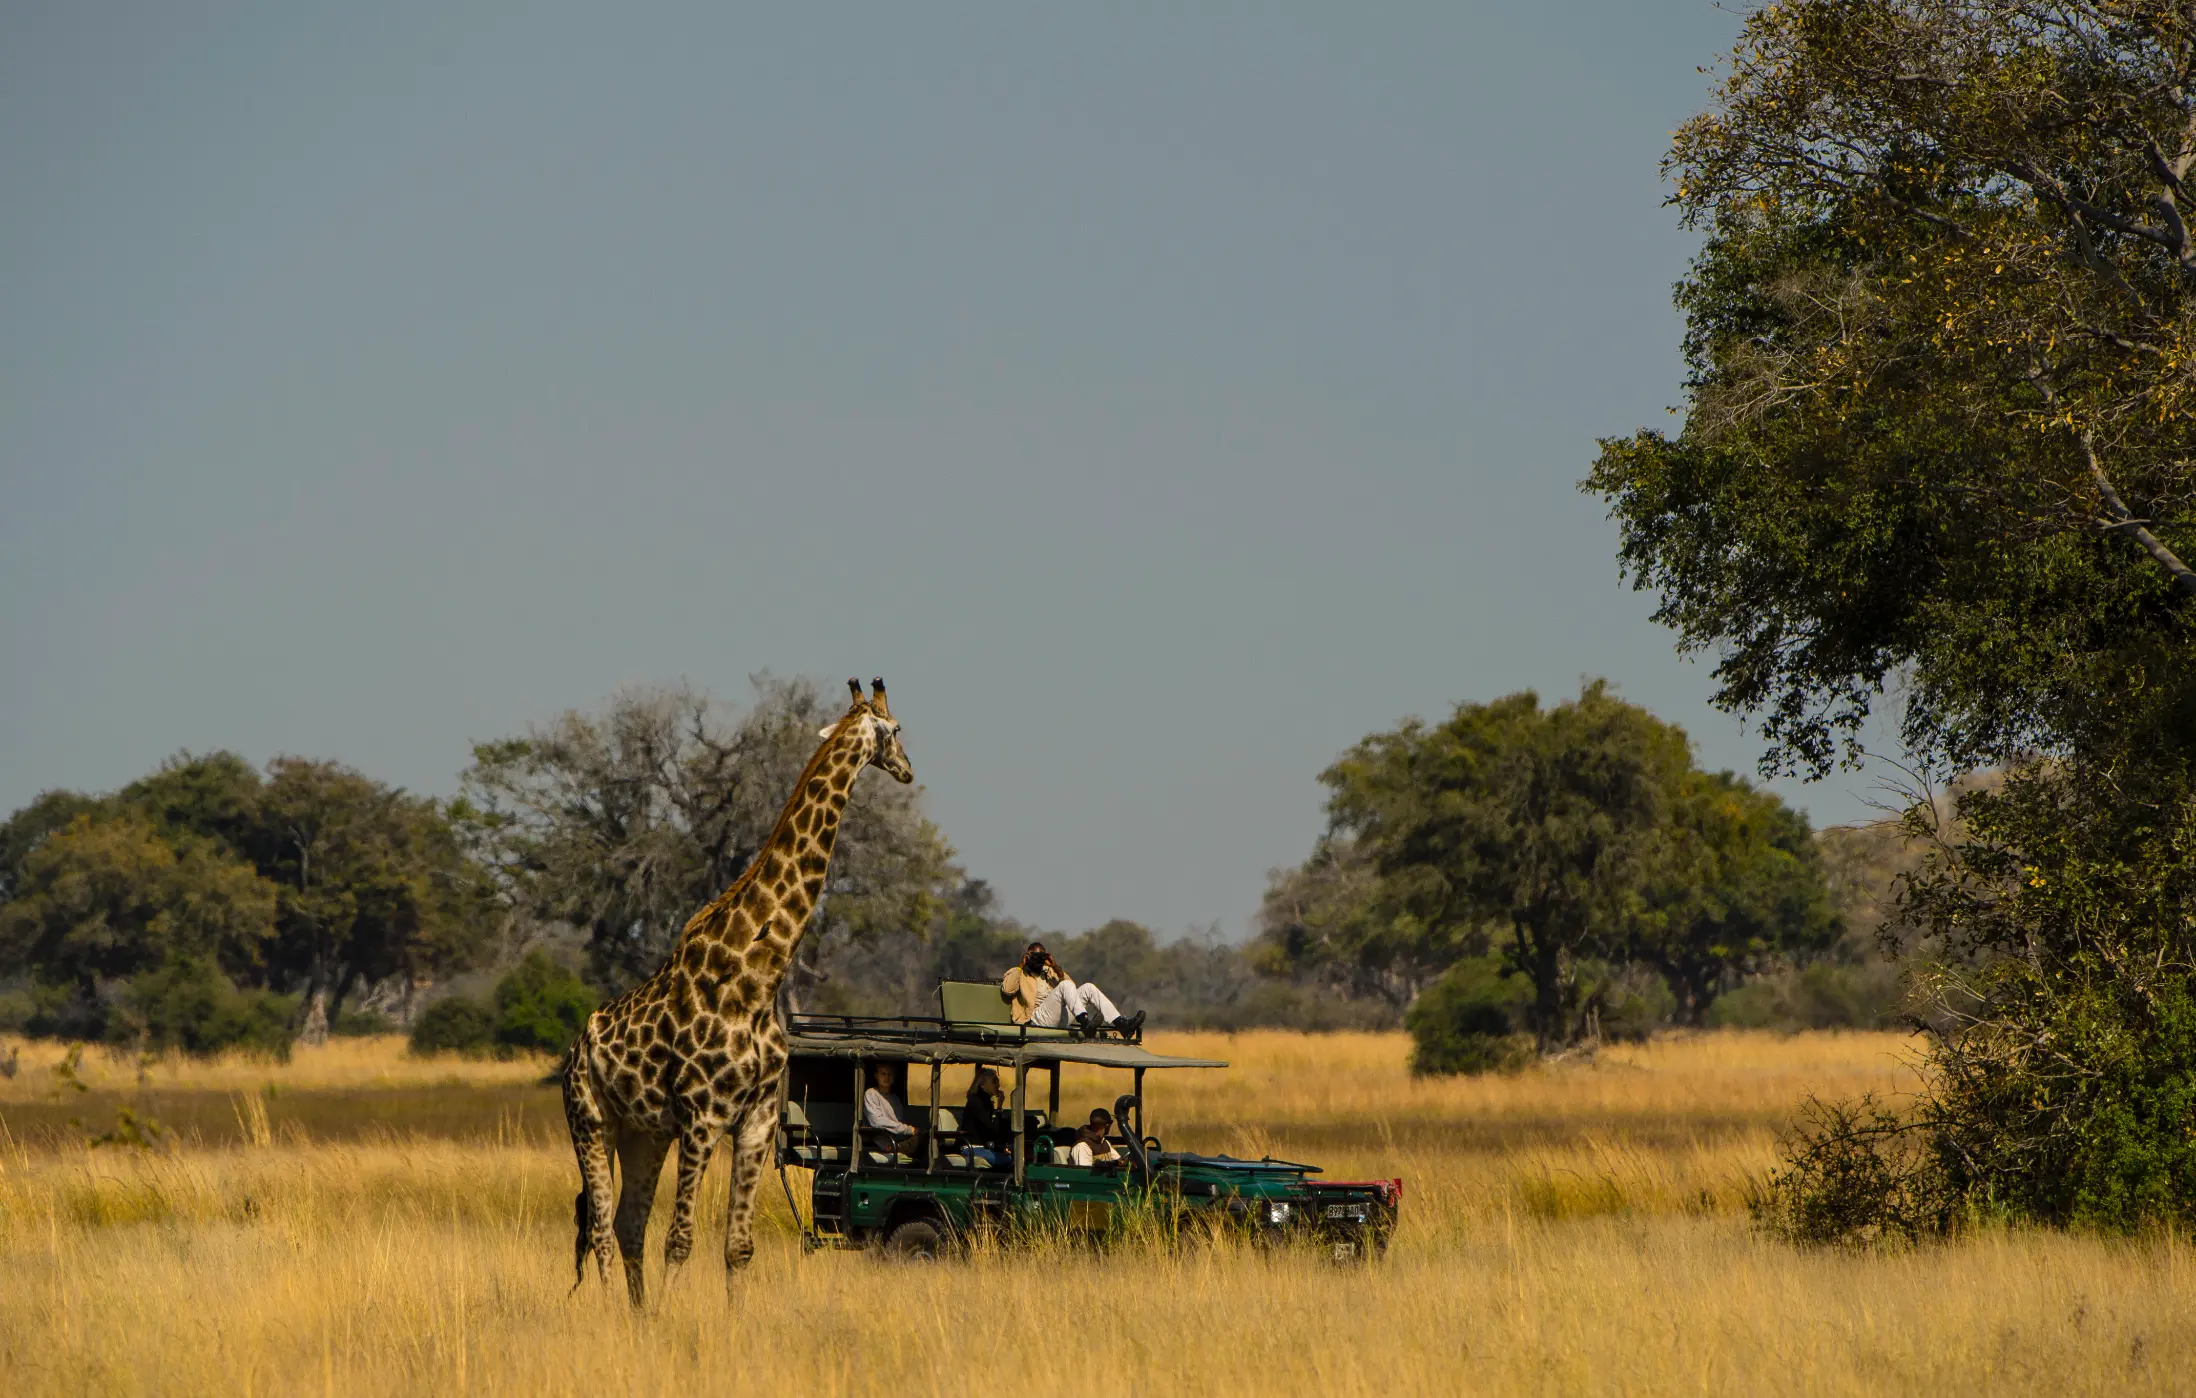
(1279, 1211)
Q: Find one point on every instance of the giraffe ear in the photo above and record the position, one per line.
(827, 730)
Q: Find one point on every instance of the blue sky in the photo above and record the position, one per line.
(1161, 398)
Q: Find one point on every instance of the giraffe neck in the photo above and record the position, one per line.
(761, 918)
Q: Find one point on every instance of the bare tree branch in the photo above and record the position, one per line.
(2123, 520)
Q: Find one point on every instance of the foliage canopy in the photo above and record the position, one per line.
(1562, 839)
(1937, 439)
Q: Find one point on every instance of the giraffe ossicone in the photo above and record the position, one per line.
(695, 1052)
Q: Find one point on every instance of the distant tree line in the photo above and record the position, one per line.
(1548, 875)
(212, 902)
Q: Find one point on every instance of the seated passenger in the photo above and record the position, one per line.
(884, 1115)
(986, 1128)
(1040, 993)
(1091, 1145)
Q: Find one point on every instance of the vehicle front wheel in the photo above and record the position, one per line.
(917, 1240)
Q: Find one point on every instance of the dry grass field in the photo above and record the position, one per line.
(359, 1222)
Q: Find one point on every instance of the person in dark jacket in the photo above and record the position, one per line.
(986, 1128)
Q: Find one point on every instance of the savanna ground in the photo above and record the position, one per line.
(360, 1222)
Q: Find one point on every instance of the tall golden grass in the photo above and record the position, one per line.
(1575, 1229)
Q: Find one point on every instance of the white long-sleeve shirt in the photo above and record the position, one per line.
(883, 1111)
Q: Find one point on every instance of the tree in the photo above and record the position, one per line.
(625, 822)
(21, 834)
(374, 883)
(218, 796)
(108, 898)
(1937, 436)
(1532, 830)
(1320, 919)
(1741, 883)
(1938, 402)
(369, 882)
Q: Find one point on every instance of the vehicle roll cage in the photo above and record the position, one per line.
(913, 1039)
(931, 1029)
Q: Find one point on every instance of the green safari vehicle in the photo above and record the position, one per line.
(863, 1193)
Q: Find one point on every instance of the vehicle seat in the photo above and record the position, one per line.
(817, 1133)
(981, 1002)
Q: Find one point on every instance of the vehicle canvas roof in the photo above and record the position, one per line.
(1014, 1054)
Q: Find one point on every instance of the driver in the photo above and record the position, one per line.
(1091, 1145)
(1040, 993)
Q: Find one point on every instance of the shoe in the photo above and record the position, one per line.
(1088, 1023)
(1131, 1026)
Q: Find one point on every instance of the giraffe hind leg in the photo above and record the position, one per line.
(592, 1145)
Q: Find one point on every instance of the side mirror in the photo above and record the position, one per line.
(1124, 1112)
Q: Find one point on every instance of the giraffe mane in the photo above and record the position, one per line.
(718, 913)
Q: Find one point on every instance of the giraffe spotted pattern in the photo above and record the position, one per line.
(695, 1052)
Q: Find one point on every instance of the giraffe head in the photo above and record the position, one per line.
(871, 722)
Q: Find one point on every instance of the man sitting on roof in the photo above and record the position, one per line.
(1040, 993)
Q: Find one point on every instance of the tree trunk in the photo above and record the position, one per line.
(315, 1028)
(1543, 960)
(1693, 995)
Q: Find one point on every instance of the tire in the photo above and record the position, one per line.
(917, 1240)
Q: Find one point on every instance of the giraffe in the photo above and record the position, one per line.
(696, 1050)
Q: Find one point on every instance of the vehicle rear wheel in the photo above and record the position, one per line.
(917, 1240)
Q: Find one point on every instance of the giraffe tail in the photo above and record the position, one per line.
(583, 1220)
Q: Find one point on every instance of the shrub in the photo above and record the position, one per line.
(359, 1024)
(1470, 1021)
(1856, 1174)
(17, 1008)
(1624, 1003)
(455, 1024)
(67, 1012)
(540, 1006)
(1825, 995)
(186, 1003)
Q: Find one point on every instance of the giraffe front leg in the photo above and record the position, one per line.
(750, 1151)
(695, 1144)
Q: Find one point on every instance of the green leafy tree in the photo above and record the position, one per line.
(368, 881)
(1741, 885)
(1938, 403)
(540, 1006)
(1937, 435)
(215, 795)
(374, 883)
(108, 898)
(1532, 830)
(1320, 921)
(52, 811)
